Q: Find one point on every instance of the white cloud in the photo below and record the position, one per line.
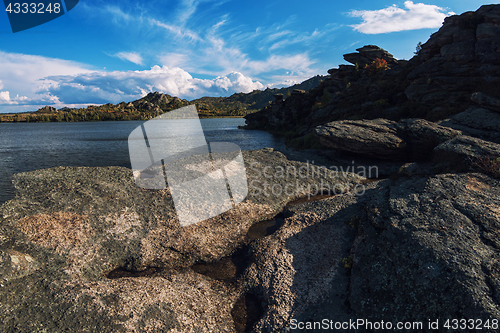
(178, 31)
(117, 86)
(299, 62)
(29, 82)
(131, 56)
(5, 99)
(174, 60)
(1, 85)
(20, 76)
(391, 19)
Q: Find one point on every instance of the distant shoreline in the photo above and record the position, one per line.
(51, 118)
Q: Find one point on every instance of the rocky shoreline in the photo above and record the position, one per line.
(84, 248)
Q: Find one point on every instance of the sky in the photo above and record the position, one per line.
(109, 51)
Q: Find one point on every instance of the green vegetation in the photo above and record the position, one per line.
(324, 100)
(354, 221)
(418, 48)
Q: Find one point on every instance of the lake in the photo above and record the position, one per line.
(32, 146)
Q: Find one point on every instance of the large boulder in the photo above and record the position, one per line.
(429, 250)
(377, 138)
(304, 263)
(423, 136)
(477, 122)
(85, 249)
(409, 139)
(464, 153)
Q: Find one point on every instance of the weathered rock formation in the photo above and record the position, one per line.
(85, 249)
(486, 101)
(477, 122)
(457, 61)
(409, 139)
(429, 249)
(368, 54)
(481, 122)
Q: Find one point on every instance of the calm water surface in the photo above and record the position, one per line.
(33, 146)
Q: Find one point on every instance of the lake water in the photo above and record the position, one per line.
(32, 146)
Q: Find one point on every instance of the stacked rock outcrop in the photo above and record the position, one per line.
(460, 59)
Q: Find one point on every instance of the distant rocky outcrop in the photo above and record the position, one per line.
(368, 54)
(241, 104)
(47, 109)
(457, 61)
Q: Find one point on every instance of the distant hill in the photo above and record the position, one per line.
(148, 107)
(243, 103)
(155, 103)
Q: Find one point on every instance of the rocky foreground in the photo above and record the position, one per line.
(85, 250)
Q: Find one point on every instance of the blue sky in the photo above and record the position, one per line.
(113, 51)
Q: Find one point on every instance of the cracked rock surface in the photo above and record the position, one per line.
(429, 249)
(84, 249)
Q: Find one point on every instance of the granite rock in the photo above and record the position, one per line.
(86, 249)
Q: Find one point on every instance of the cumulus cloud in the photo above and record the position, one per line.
(117, 86)
(28, 82)
(131, 56)
(20, 76)
(393, 18)
(5, 99)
